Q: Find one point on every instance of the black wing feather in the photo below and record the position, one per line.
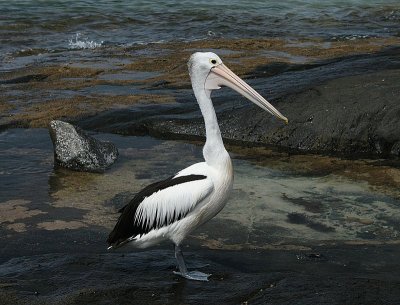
(126, 226)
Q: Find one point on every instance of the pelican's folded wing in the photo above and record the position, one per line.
(160, 204)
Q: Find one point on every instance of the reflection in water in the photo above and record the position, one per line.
(275, 203)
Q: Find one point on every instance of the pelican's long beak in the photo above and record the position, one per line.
(221, 75)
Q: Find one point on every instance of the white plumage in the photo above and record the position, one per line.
(172, 208)
(166, 203)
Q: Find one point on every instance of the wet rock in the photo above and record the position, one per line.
(297, 218)
(345, 275)
(76, 150)
(24, 79)
(355, 116)
(347, 106)
(395, 149)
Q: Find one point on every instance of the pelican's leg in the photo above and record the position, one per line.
(191, 275)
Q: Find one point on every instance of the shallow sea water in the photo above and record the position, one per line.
(271, 206)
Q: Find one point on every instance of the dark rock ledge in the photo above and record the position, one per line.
(354, 115)
(351, 115)
(356, 275)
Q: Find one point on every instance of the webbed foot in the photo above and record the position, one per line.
(194, 275)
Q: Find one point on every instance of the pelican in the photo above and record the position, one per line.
(172, 208)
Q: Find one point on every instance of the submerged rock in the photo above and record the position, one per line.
(76, 150)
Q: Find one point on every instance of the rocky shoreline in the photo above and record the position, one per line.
(351, 116)
(65, 261)
(325, 275)
(345, 107)
(341, 98)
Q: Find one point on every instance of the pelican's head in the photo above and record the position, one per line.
(207, 70)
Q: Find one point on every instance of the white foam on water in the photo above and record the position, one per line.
(79, 42)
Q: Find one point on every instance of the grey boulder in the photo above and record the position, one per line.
(75, 150)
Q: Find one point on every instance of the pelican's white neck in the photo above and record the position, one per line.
(214, 151)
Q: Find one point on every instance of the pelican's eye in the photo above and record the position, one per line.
(213, 61)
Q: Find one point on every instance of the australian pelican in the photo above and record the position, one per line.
(172, 208)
